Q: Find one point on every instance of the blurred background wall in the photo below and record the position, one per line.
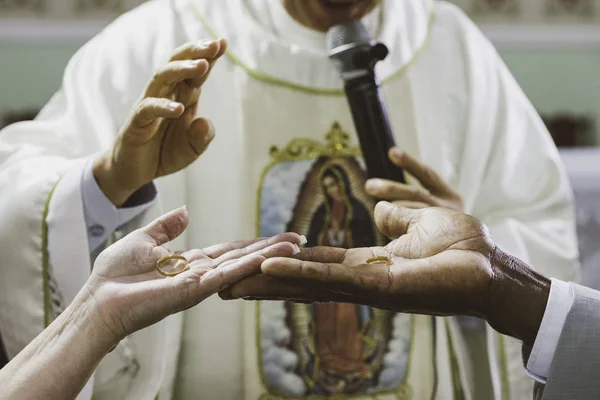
(551, 46)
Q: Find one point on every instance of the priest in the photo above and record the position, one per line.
(120, 140)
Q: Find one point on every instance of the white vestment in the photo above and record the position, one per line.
(452, 102)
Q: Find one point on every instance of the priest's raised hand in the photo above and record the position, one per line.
(162, 134)
(442, 262)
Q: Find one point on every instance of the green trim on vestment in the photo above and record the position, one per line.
(46, 256)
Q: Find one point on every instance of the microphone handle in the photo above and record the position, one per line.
(373, 127)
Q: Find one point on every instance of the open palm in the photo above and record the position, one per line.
(131, 294)
(440, 263)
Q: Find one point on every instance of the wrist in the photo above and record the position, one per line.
(518, 297)
(108, 180)
(84, 315)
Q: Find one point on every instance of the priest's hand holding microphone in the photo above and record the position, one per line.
(433, 192)
(355, 55)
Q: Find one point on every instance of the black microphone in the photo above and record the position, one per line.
(355, 55)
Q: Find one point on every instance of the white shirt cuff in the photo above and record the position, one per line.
(102, 218)
(558, 307)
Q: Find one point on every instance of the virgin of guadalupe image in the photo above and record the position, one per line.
(341, 220)
(340, 346)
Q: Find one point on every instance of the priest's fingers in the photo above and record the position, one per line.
(393, 191)
(208, 50)
(430, 179)
(174, 72)
(148, 113)
(226, 275)
(258, 246)
(200, 134)
(167, 227)
(205, 49)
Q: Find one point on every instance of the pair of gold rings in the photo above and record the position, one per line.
(163, 260)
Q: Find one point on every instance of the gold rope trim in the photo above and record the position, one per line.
(46, 257)
(337, 145)
(259, 75)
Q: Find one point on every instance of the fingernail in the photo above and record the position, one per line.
(173, 105)
(296, 249)
(193, 63)
(384, 206)
(303, 240)
(211, 131)
(185, 210)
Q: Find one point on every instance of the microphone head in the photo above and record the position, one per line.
(347, 42)
(351, 32)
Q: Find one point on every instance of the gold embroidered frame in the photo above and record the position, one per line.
(337, 145)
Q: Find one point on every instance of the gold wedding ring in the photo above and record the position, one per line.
(380, 260)
(170, 257)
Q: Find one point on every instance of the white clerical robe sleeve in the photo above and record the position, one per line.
(44, 250)
(80, 120)
(513, 180)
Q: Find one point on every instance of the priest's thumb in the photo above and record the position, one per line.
(200, 134)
